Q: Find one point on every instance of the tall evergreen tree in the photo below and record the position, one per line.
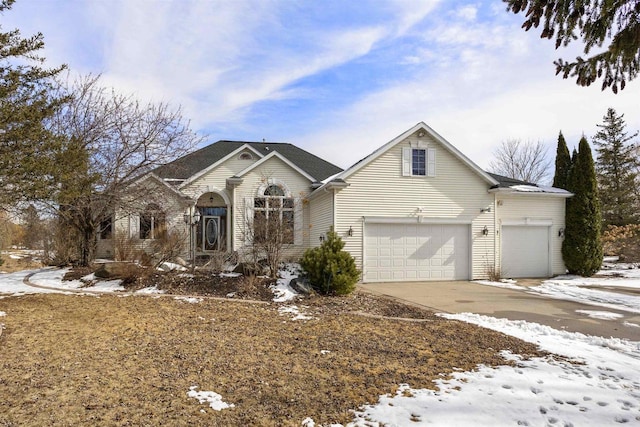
(582, 246)
(563, 164)
(616, 168)
(26, 102)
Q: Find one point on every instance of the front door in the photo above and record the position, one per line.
(212, 234)
(211, 230)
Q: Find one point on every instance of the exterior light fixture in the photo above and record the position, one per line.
(561, 233)
(485, 231)
(350, 232)
(322, 237)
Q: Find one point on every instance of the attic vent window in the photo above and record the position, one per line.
(246, 156)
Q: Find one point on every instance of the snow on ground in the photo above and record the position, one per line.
(150, 290)
(230, 274)
(281, 290)
(507, 284)
(573, 290)
(107, 286)
(190, 300)
(53, 279)
(603, 388)
(599, 290)
(212, 398)
(294, 311)
(170, 266)
(13, 283)
(601, 315)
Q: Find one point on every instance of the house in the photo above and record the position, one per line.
(415, 209)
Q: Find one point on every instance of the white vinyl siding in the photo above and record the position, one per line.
(126, 226)
(217, 178)
(321, 213)
(456, 193)
(522, 209)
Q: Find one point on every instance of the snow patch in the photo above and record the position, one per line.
(294, 311)
(212, 398)
(538, 189)
(281, 290)
(107, 286)
(602, 315)
(230, 274)
(170, 266)
(506, 283)
(190, 300)
(603, 389)
(571, 291)
(150, 290)
(89, 277)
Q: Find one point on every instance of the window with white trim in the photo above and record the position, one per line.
(152, 222)
(420, 161)
(273, 215)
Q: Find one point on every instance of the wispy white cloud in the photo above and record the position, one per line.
(482, 82)
(355, 74)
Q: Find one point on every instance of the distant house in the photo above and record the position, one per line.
(415, 209)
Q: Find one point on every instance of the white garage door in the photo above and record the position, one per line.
(405, 252)
(525, 251)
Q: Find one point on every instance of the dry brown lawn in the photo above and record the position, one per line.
(109, 360)
(11, 265)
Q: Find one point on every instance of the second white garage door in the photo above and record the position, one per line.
(412, 252)
(525, 251)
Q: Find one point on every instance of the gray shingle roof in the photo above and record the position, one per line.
(187, 166)
(504, 181)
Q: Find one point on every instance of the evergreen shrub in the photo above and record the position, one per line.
(331, 271)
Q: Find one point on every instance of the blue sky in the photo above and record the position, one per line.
(337, 78)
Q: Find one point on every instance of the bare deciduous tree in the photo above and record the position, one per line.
(526, 161)
(269, 229)
(110, 140)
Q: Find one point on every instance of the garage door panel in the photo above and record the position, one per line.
(525, 251)
(416, 252)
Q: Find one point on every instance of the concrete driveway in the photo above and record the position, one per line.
(460, 297)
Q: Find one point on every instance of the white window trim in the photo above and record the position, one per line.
(430, 160)
(296, 209)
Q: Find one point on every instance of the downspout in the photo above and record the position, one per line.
(495, 233)
(333, 208)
